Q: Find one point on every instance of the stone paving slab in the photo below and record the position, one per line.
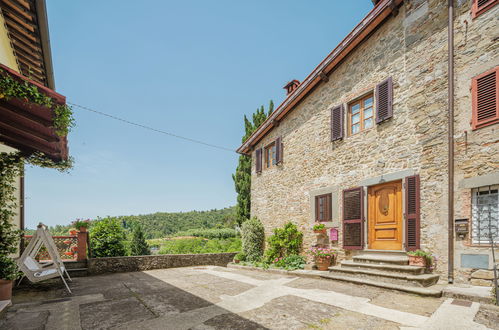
(222, 298)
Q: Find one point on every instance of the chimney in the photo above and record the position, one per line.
(291, 86)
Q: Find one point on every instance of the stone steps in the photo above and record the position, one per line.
(433, 291)
(76, 268)
(421, 280)
(389, 270)
(406, 269)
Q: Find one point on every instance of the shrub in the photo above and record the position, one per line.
(241, 256)
(290, 262)
(253, 237)
(108, 238)
(200, 245)
(284, 242)
(215, 233)
(8, 268)
(138, 246)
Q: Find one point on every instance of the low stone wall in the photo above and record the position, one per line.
(139, 263)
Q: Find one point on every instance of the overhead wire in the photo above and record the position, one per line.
(151, 128)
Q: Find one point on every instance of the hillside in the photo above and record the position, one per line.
(161, 224)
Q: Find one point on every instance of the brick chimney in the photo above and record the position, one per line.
(291, 86)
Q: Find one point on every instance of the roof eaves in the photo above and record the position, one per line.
(371, 20)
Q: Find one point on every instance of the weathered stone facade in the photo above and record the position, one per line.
(410, 47)
(140, 263)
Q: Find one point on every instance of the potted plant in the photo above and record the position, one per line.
(239, 257)
(420, 258)
(319, 228)
(81, 225)
(8, 273)
(323, 257)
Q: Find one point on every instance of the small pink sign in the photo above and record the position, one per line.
(333, 234)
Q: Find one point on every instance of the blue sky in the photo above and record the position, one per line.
(193, 68)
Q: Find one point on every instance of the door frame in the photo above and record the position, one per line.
(366, 215)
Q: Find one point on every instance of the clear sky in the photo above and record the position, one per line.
(193, 68)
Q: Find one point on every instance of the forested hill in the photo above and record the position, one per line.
(161, 224)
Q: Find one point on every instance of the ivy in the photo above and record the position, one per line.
(63, 114)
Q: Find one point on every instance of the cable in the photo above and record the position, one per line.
(151, 128)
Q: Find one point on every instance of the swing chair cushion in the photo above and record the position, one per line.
(37, 268)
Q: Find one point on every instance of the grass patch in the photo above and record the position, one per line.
(199, 245)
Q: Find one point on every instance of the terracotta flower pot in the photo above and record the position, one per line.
(417, 261)
(322, 263)
(5, 289)
(69, 253)
(320, 231)
(73, 232)
(236, 261)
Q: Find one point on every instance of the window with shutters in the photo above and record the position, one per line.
(270, 155)
(360, 115)
(485, 100)
(323, 208)
(481, 6)
(485, 215)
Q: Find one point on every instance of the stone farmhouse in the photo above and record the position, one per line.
(392, 141)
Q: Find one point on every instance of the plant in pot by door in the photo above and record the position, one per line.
(319, 228)
(8, 273)
(420, 258)
(81, 225)
(323, 257)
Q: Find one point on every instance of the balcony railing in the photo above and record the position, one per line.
(70, 248)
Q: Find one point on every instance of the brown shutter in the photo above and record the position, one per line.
(384, 100)
(278, 150)
(337, 117)
(353, 219)
(329, 208)
(412, 213)
(480, 6)
(485, 100)
(258, 154)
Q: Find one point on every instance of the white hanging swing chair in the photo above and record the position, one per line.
(39, 271)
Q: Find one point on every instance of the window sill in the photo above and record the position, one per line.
(478, 126)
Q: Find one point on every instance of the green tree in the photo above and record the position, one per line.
(242, 177)
(253, 239)
(108, 238)
(139, 245)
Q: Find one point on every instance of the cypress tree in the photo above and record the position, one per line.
(139, 245)
(242, 177)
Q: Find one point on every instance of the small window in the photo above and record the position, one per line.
(270, 155)
(485, 214)
(360, 115)
(485, 99)
(480, 6)
(323, 210)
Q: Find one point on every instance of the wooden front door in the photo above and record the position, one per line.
(385, 216)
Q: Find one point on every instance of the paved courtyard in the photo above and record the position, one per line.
(211, 297)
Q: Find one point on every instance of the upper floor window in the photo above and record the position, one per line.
(485, 98)
(360, 115)
(485, 214)
(480, 6)
(270, 155)
(323, 208)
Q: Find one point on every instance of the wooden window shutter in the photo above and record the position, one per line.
(480, 6)
(485, 100)
(353, 219)
(278, 150)
(384, 100)
(258, 154)
(412, 213)
(337, 118)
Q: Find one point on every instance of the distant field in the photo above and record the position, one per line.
(188, 245)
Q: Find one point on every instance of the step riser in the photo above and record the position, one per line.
(75, 265)
(77, 273)
(381, 262)
(415, 271)
(386, 279)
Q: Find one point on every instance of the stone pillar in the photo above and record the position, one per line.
(82, 246)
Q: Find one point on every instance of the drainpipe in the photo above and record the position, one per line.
(450, 171)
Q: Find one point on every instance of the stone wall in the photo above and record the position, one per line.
(140, 263)
(411, 48)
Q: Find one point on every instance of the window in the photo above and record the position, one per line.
(485, 99)
(485, 214)
(480, 6)
(270, 155)
(360, 115)
(323, 211)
